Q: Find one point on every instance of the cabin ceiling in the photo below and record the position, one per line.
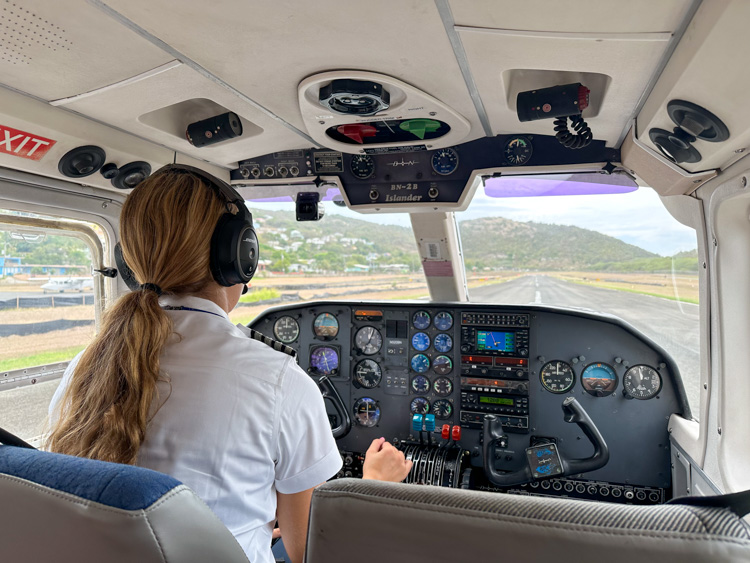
(120, 62)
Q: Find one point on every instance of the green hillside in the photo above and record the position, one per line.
(337, 242)
(497, 242)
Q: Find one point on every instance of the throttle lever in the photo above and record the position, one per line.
(329, 392)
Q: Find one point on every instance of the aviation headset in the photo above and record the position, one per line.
(234, 244)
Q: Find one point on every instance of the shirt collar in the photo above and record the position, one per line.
(194, 303)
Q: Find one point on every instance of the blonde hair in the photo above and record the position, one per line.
(166, 226)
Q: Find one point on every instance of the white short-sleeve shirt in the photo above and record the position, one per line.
(239, 421)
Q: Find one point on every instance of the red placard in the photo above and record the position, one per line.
(26, 145)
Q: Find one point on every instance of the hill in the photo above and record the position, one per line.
(495, 241)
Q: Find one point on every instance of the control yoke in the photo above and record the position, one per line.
(328, 390)
(572, 412)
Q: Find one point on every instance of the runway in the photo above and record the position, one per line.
(671, 324)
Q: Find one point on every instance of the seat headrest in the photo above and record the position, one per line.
(67, 509)
(424, 523)
(112, 484)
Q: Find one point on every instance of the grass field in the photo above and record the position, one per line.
(26, 351)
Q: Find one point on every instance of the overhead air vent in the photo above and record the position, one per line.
(363, 112)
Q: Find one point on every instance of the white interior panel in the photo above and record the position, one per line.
(122, 105)
(58, 49)
(70, 131)
(402, 39)
(573, 16)
(708, 68)
(628, 59)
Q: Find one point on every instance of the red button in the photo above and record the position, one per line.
(446, 431)
(456, 433)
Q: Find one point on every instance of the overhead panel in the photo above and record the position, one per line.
(623, 64)
(159, 105)
(708, 68)
(57, 49)
(612, 47)
(275, 46)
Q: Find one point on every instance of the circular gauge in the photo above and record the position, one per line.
(286, 329)
(366, 412)
(419, 405)
(368, 340)
(443, 343)
(443, 386)
(642, 382)
(420, 384)
(599, 380)
(362, 166)
(445, 161)
(443, 320)
(420, 363)
(557, 377)
(420, 341)
(442, 365)
(324, 360)
(326, 326)
(368, 373)
(442, 409)
(421, 320)
(517, 151)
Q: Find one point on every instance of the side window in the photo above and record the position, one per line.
(48, 312)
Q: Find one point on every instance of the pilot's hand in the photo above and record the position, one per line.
(383, 462)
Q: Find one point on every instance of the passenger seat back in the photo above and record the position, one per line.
(62, 509)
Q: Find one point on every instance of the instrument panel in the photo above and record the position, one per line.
(426, 375)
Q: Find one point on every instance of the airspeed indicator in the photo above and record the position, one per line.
(557, 377)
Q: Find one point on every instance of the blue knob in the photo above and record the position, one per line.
(429, 422)
(416, 422)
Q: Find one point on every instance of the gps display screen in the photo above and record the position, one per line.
(496, 400)
(496, 340)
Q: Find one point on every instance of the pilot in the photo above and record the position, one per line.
(169, 383)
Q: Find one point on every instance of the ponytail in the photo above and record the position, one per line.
(167, 222)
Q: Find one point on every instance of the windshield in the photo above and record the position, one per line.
(621, 254)
(345, 256)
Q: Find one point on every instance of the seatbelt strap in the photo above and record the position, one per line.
(12, 440)
(739, 503)
(275, 344)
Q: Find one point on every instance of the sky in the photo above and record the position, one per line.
(637, 217)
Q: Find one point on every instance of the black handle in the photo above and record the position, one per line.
(573, 412)
(329, 392)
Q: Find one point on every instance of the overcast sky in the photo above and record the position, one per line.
(637, 218)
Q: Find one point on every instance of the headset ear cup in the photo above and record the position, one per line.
(124, 270)
(234, 250)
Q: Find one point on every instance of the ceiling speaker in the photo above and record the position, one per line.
(131, 174)
(82, 161)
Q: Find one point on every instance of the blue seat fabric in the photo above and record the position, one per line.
(112, 484)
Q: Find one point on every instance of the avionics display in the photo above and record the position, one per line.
(496, 400)
(496, 340)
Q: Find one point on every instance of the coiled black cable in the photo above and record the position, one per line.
(581, 138)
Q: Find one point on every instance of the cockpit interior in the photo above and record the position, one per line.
(510, 238)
